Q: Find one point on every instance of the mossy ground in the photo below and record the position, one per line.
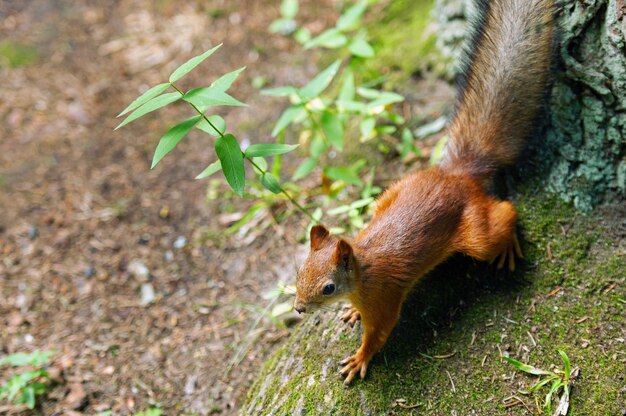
(568, 296)
(405, 41)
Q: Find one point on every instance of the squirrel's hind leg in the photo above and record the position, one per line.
(489, 232)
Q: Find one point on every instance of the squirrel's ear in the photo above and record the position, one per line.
(319, 233)
(343, 252)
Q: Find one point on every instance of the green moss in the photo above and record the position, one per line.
(476, 311)
(405, 41)
(14, 55)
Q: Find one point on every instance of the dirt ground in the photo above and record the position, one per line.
(124, 271)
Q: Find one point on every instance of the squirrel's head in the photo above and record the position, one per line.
(327, 275)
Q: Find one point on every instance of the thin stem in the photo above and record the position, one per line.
(249, 159)
(282, 190)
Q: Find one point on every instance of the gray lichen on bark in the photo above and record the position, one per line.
(586, 136)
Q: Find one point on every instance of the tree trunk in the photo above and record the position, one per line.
(582, 157)
(443, 356)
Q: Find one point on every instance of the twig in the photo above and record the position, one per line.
(451, 382)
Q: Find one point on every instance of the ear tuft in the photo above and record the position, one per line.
(343, 253)
(319, 234)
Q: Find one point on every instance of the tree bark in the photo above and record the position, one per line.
(582, 156)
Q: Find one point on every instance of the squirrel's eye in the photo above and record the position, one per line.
(328, 289)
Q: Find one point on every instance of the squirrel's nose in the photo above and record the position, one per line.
(300, 309)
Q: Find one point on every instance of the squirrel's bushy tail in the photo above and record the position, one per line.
(501, 88)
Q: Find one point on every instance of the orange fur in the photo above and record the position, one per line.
(428, 215)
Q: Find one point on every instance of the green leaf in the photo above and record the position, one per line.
(431, 128)
(387, 129)
(279, 91)
(288, 116)
(270, 149)
(210, 170)
(369, 93)
(566, 361)
(261, 163)
(28, 397)
(289, 8)
(185, 68)
(525, 367)
(355, 205)
(173, 136)
(145, 97)
(367, 127)
(320, 82)
(347, 87)
(245, 219)
(208, 97)
(350, 18)
(224, 82)
(304, 168)
(270, 182)
(331, 38)
(302, 35)
(217, 121)
(361, 48)
(437, 153)
(407, 145)
(385, 99)
(539, 384)
(318, 146)
(344, 174)
(230, 155)
(154, 104)
(283, 26)
(36, 359)
(39, 387)
(332, 125)
(350, 106)
(556, 384)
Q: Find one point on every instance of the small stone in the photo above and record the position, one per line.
(168, 256)
(147, 294)
(89, 271)
(180, 242)
(33, 232)
(108, 370)
(138, 269)
(190, 385)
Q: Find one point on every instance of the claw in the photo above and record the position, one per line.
(501, 259)
(351, 316)
(352, 366)
(507, 256)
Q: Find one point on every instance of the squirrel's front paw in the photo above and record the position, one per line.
(354, 365)
(511, 250)
(351, 316)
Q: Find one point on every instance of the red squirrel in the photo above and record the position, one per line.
(428, 215)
